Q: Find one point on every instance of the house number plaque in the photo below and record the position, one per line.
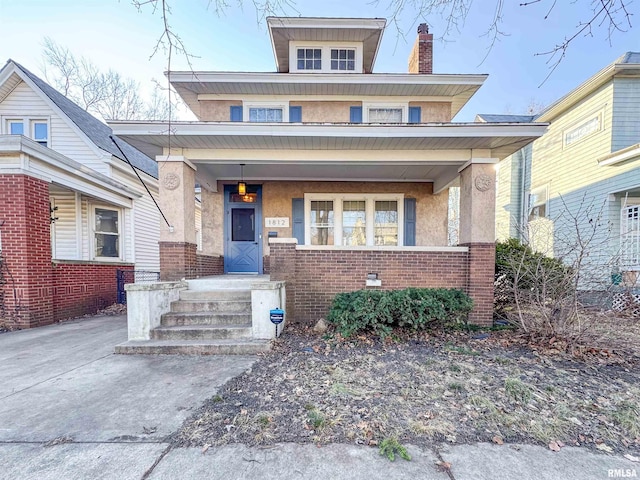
(276, 222)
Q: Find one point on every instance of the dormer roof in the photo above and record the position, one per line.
(318, 29)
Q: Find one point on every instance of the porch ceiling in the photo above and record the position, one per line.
(500, 139)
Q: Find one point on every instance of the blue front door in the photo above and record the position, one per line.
(243, 232)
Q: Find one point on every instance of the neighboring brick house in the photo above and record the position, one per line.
(589, 158)
(346, 171)
(72, 211)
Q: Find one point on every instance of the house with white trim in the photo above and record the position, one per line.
(73, 210)
(585, 167)
(327, 175)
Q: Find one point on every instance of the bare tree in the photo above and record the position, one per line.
(609, 15)
(106, 94)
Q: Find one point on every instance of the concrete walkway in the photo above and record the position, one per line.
(71, 409)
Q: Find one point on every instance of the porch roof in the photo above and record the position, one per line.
(454, 88)
(502, 139)
(330, 152)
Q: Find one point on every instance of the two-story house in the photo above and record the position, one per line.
(586, 167)
(328, 175)
(73, 210)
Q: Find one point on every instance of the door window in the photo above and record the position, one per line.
(243, 225)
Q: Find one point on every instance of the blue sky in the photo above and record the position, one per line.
(113, 34)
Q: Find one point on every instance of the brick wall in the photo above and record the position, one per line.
(26, 249)
(83, 288)
(482, 258)
(314, 277)
(209, 265)
(178, 260)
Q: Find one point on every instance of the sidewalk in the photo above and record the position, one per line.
(71, 409)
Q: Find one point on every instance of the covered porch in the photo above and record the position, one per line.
(329, 207)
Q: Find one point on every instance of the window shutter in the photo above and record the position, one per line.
(356, 115)
(409, 222)
(295, 114)
(236, 113)
(415, 114)
(297, 215)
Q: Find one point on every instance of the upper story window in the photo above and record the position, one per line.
(309, 59)
(385, 113)
(37, 129)
(265, 114)
(343, 59)
(329, 57)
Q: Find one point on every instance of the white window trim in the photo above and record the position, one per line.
(92, 228)
(326, 48)
(246, 106)
(599, 115)
(338, 198)
(367, 105)
(631, 202)
(32, 129)
(535, 197)
(28, 125)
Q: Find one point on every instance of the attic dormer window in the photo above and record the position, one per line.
(309, 59)
(343, 59)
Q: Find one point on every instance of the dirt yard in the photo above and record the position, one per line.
(427, 389)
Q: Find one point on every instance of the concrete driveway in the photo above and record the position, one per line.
(103, 415)
(71, 409)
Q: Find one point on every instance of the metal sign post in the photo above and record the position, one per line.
(277, 317)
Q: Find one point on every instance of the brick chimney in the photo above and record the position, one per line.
(421, 58)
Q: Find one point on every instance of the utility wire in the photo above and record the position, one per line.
(141, 181)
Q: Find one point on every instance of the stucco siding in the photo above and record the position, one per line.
(433, 112)
(626, 113)
(216, 110)
(431, 210)
(320, 111)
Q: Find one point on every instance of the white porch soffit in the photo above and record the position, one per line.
(501, 139)
(194, 86)
(330, 152)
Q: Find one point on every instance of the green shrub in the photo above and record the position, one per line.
(382, 311)
(519, 267)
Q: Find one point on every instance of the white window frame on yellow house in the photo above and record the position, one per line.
(630, 234)
(93, 206)
(370, 204)
(538, 197)
(579, 131)
(325, 54)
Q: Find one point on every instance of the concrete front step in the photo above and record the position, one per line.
(204, 318)
(194, 347)
(202, 332)
(228, 294)
(213, 306)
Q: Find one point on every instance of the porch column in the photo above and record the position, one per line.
(477, 232)
(177, 201)
(211, 261)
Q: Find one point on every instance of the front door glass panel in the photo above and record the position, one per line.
(243, 225)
